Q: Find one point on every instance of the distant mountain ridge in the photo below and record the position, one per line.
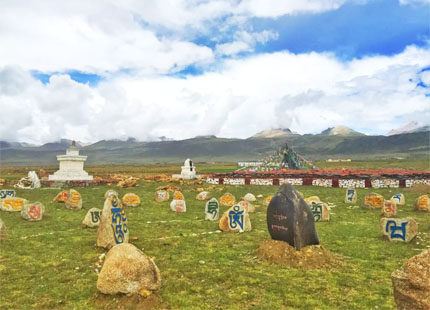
(411, 127)
(273, 133)
(340, 131)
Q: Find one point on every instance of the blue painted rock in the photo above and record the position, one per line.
(403, 230)
(290, 219)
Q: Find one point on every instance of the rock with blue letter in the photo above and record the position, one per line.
(351, 195)
(113, 227)
(398, 199)
(235, 219)
(403, 230)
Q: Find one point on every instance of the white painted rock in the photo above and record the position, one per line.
(423, 203)
(178, 205)
(249, 207)
(6, 193)
(128, 270)
(110, 192)
(12, 204)
(399, 229)
(74, 200)
(235, 219)
(212, 210)
(92, 219)
(161, 196)
(249, 197)
(203, 196)
(351, 195)
(320, 211)
(113, 227)
(131, 200)
(33, 211)
(3, 230)
(389, 209)
(398, 199)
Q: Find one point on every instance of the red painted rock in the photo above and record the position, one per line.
(33, 211)
(389, 209)
(178, 206)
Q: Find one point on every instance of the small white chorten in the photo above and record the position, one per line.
(188, 171)
(71, 166)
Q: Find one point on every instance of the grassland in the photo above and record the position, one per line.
(51, 264)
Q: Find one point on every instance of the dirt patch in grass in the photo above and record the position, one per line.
(420, 188)
(310, 257)
(134, 302)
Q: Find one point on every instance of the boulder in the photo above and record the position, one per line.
(235, 219)
(398, 199)
(373, 201)
(110, 192)
(3, 230)
(423, 203)
(399, 229)
(62, 196)
(290, 219)
(128, 270)
(212, 210)
(178, 205)
(131, 200)
(227, 200)
(161, 196)
(74, 201)
(312, 199)
(249, 207)
(33, 211)
(320, 211)
(92, 219)
(351, 195)
(411, 283)
(30, 182)
(389, 209)
(7, 193)
(12, 204)
(177, 195)
(113, 227)
(267, 200)
(203, 196)
(249, 197)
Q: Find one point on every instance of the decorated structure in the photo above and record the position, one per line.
(188, 171)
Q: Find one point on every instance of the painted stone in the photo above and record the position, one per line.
(113, 227)
(7, 193)
(235, 219)
(389, 209)
(62, 196)
(320, 211)
(33, 211)
(12, 204)
(110, 192)
(3, 230)
(203, 196)
(131, 200)
(398, 199)
(351, 195)
(311, 199)
(92, 218)
(178, 205)
(161, 196)
(212, 210)
(373, 201)
(74, 201)
(128, 270)
(399, 229)
(267, 200)
(290, 219)
(250, 197)
(249, 207)
(411, 283)
(177, 195)
(227, 200)
(423, 203)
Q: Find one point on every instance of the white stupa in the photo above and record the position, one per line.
(188, 171)
(71, 166)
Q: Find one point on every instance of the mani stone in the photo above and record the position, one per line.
(312, 199)
(62, 196)
(423, 203)
(110, 192)
(249, 207)
(177, 195)
(373, 201)
(411, 283)
(389, 209)
(3, 230)
(131, 200)
(178, 205)
(113, 224)
(235, 219)
(351, 195)
(33, 211)
(320, 211)
(398, 199)
(212, 210)
(267, 200)
(92, 219)
(203, 196)
(161, 196)
(6, 193)
(12, 204)
(290, 219)
(250, 197)
(74, 201)
(399, 229)
(128, 270)
(227, 200)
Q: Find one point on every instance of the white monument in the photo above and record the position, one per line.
(71, 166)
(188, 171)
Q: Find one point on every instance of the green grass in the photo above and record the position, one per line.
(50, 264)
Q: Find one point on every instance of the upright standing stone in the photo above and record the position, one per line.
(12, 204)
(3, 230)
(290, 219)
(227, 200)
(249, 207)
(177, 195)
(399, 229)
(178, 205)
(212, 210)
(351, 195)
(203, 196)
(250, 197)
(62, 196)
(389, 209)
(373, 201)
(398, 199)
(92, 219)
(235, 219)
(161, 196)
(33, 211)
(113, 227)
(267, 200)
(423, 203)
(320, 211)
(110, 192)
(131, 200)
(7, 193)
(74, 201)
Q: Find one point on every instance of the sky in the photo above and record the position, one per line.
(93, 70)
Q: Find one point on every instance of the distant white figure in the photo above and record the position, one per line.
(29, 182)
(188, 171)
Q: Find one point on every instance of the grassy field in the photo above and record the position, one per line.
(51, 264)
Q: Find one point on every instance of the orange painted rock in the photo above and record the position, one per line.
(12, 204)
(227, 200)
(62, 196)
(74, 200)
(177, 195)
(373, 201)
(423, 203)
(131, 200)
(267, 200)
